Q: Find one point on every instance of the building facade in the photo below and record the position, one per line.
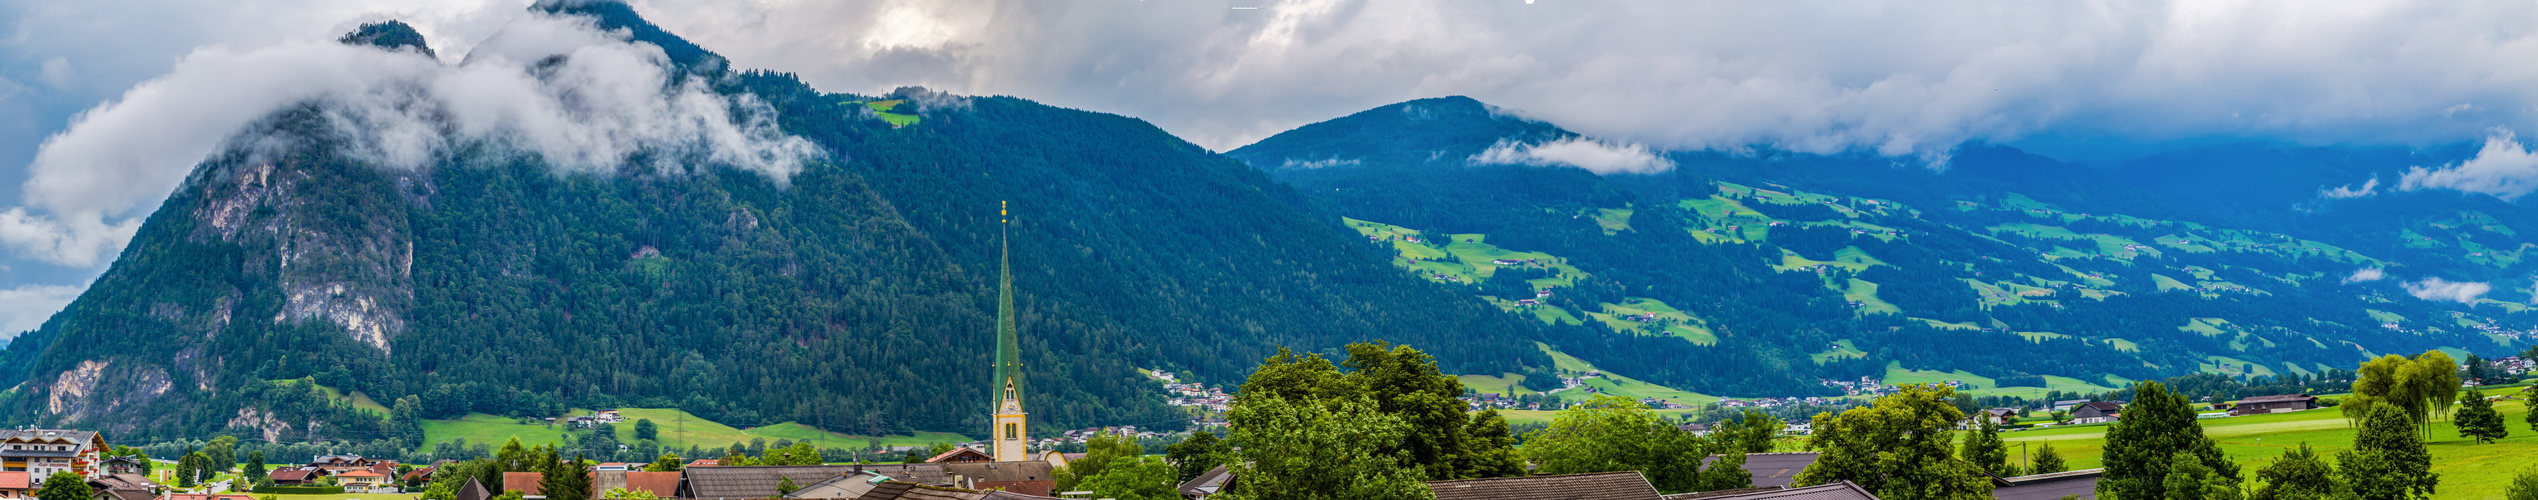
(42, 452)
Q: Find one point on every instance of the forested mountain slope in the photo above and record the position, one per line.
(2004, 265)
(854, 295)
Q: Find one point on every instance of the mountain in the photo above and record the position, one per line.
(854, 294)
(2024, 273)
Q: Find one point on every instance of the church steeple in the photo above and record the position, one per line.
(1009, 431)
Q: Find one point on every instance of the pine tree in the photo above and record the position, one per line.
(2298, 475)
(2388, 459)
(2524, 486)
(2189, 479)
(1985, 449)
(2477, 419)
(2046, 461)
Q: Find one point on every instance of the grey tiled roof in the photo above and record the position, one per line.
(1843, 490)
(1627, 485)
(756, 482)
(1773, 469)
(2051, 486)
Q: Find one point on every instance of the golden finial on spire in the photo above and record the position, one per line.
(1003, 210)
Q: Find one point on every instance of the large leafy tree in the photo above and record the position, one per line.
(2143, 445)
(1099, 452)
(1612, 433)
(1404, 384)
(1195, 455)
(669, 462)
(1751, 432)
(63, 486)
(2298, 475)
(2388, 459)
(2422, 386)
(1492, 447)
(255, 467)
(2189, 479)
(1134, 478)
(1900, 447)
(2477, 418)
(1319, 451)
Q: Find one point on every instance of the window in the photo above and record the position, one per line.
(1012, 431)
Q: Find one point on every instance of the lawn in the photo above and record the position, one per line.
(1841, 349)
(344, 496)
(1865, 293)
(2468, 470)
(678, 430)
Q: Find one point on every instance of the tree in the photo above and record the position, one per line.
(1751, 432)
(1490, 447)
(626, 494)
(669, 462)
(1134, 478)
(645, 430)
(2529, 398)
(1405, 384)
(565, 479)
(1099, 451)
(1196, 454)
(63, 486)
(1985, 449)
(785, 486)
(2477, 418)
(2141, 447)
(2298, 475)
(2046, 461)
(255, 467)
(796, 454)
(1899, 447)
(2423, 386)
(1612, 433)
(2525, 485)
(2388, 459)
(222, 453)
(1309, 451)
(2189, 479)
(440, 490)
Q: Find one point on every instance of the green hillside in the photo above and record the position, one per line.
(678, 430)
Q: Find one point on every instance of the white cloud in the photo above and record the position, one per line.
(2502, 168)
(28, 306)
(2368, 188)
(2464, 292)
(1292, 164)
(90, 185)
(1593, 155)
(2366, 274)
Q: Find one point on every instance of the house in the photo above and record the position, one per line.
(1839, 490)
(706, 462)
(424, 473)
(1695, 429)
(473, 490)
(123, 487)
(1774, 470)
(959, 455)
(2097, 412)
(2049, 486)
(524, 482)
(1998, 416)
(2274, 404)
(1625, 485)
(846, 486)
(1207, 484)
(611, 466)
(337, 464)
(661, 484)
(927, 474)
(2067, 405)
(758, 481)
(362, 481)
(15, 485)
(42, 452)
(124, 465)
(895, 490)
(296, 476)
(1032, 477)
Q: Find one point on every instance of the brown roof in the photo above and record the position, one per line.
(961, 453)
(1626, 485)
(2051, 486)
(2281, 398)
(1843, 490)
(897, 490)
(2103, 406)
(293, 475)
(524, 482)
(131, 494)
(361, 473)
(913, 473)
(13, 480)
(661, 484)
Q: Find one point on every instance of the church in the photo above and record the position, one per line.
(1008, 465)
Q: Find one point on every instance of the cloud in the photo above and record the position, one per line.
(555, 88)
(1292, 164)
(2502, 168)
(1593, 155)
(27, 307)
(2464, 292)
(2366, 274)
(2368, 188)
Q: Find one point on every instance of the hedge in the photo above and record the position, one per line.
(301, 490)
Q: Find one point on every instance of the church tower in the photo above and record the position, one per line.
(1010, 429)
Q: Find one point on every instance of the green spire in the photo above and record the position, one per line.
(1008, 338)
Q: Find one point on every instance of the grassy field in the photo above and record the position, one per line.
(1896, 374)
(2468, 470)
(345, 496)
(678, 430)
(1865, 293)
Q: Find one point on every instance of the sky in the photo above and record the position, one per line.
(105, 104)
